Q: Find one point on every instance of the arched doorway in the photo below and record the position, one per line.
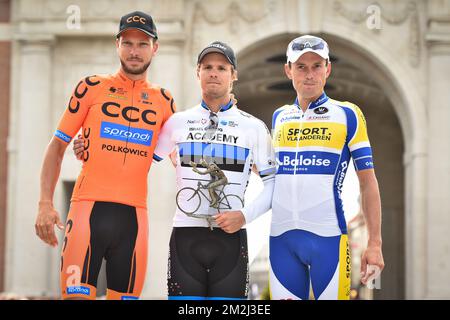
(263, 87)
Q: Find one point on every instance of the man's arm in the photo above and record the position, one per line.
(47, 216)
(371, 207)
(264, 166)
(232, 221)
(198, 171)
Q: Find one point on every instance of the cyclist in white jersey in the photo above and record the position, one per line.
(314, 139)
(204, 263)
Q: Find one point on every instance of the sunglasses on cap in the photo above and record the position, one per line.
(307, 43)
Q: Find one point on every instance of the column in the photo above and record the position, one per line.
(28, 269)
(5, 79)
(416, 265)
(438, 215)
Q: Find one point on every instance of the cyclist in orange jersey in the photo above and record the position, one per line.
(120, 117)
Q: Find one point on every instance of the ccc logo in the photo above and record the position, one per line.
(69, 226)
(137, 19)
(130, 113)
(80, 95)
(87, 143)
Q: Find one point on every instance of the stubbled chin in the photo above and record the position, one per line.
(134, 65)
(214, 93)
(309, 91)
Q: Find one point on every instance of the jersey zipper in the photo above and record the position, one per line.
(129, 122)
(298, 185)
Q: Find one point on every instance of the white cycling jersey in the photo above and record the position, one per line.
(239, 142)
(313, 150)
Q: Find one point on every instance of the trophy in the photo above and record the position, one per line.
(189, 199)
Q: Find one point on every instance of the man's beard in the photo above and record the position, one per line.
(135, 71)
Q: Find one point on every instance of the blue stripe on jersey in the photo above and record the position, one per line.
(222, 108)
(319, 101)
(267, 172)
(307, 162)
(157, 158)
(342, 169)
(362, 152)
(64, 137)
(364, 163)
(351, 123)
(216, 150)
(337, 190)
(275, 115)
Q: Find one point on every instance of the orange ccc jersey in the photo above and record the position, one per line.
(120, 120)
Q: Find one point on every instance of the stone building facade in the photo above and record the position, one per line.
(392, 58)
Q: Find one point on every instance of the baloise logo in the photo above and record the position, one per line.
(321, 110)
(304, 161)
(307, 162)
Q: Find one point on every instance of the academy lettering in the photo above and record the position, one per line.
(219, 137)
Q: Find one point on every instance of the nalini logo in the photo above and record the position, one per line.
(129, 298)
(119, 132)
(289, 118)
(79, 290)
(320, 110)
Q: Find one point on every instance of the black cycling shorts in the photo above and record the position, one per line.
(207, 264)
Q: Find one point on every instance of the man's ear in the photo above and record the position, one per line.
(288, 71)
(155, 46)
(198, 72)
(328, 69)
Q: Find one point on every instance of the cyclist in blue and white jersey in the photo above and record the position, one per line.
(314, 139)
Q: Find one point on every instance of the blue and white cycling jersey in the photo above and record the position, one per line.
(313, 150)
(309, 241)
